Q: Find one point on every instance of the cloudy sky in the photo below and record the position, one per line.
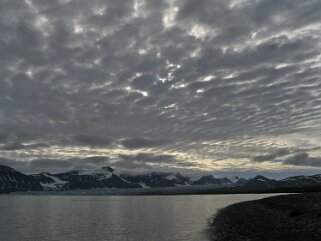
(230, 87)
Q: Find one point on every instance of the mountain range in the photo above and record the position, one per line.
(106, 177)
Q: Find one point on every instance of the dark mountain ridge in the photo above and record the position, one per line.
(12, 181)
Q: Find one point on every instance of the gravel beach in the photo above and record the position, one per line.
(295, 217)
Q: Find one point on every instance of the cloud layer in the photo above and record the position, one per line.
(212, 83)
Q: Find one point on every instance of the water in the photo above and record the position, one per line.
(114, 218)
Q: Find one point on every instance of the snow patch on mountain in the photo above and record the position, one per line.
(55, 179)
(49, 181)
(143, 185)
(171, 177)
(100, 174)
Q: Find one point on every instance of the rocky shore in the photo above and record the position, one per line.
(295, 217)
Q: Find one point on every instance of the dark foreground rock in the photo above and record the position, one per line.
(295, 217)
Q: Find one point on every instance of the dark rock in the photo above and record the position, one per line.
(281, 218)
(295, 213)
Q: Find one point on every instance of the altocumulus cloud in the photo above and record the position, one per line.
(213, 82)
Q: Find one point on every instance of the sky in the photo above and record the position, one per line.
(224, 87)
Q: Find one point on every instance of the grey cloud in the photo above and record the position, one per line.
(303, 159)
(91, 162)
(144, 161)
(12, 147)
(280, 153)
(96, 159)
(60, 165)
(143, 82)
(51, 163)
(136, 143)
(127, 165)
(149, 157)
(269, 157)
(3, 137)
(55, 165)
(92, 140)
(20, 146)
(12, 163)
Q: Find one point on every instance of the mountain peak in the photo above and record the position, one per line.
(108, 168)
(261, 178)
(4, 167)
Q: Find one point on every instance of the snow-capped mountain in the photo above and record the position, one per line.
(12, 180)
(85, 179)
(106, 177)
(299, 181)
(211, 180)
(263, 183)
(260, 183)
(155, 179)
(49, 182)
(238, 181)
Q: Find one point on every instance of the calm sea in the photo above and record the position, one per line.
(119, 218)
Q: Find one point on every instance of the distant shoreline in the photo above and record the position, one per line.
(160, 191)
(294, 217)
(183, 190)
